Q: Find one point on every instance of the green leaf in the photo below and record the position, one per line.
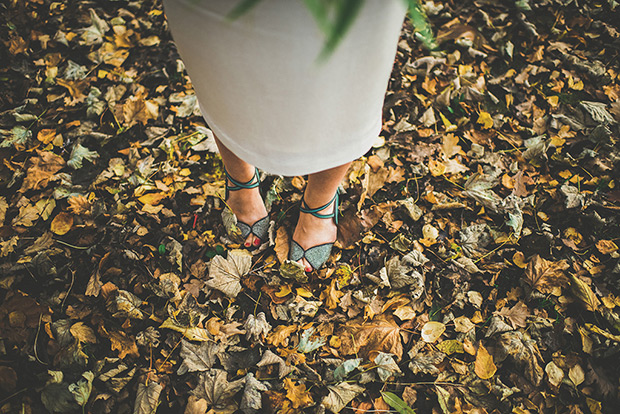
(242, 8)
(396, 403)
(79, 154)
(346, 368)
(347, 11)
(16, 136)
(421, 24)
(306, 345)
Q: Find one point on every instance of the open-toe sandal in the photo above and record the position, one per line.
(315, 255)
(261, 227)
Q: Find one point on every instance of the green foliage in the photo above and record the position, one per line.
(397, 403)
(335, 18)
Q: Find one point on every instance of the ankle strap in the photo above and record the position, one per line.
(237, 185)
(315, 211)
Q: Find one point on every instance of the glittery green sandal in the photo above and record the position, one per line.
(261, 228)
(315, 255)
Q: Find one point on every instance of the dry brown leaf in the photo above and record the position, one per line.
(544, 275)
(331, 295)
(484, 366)
(46, 135)
(119, 341)
(603, 246)
(377, 180)
(83, 333)
(27, 216)
(584, 293)
(516, 315)
(450, 145)
(3, 207)
(79, 205)
(281, 335)
(297, 394)
(76, 88)
(381, 334)
(282, 244)
(62, 223)
(41, 170)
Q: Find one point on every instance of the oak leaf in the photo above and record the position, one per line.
(41, 169)
(331, 295)
(544, 275)
(297, 394)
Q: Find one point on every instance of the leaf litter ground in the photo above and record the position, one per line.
(476, 268)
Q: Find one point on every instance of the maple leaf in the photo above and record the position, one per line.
(41, 170)
(215, 387)
(544, 275)
(297, 394)
(226, 274)
(381, 334)
(331, 295)
(147, 397)
(199, 357)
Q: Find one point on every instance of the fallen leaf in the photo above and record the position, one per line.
(340, 395)
(62, 223)
(431, 331)
(41, 169)
(147, 397)
(381, 334)
(544, 275)
(554, 373)
(83, 333)
(282, 244)
(297, 394)
(584, 293)
(516, 315)
(484, 366)
(331, 295)
(225, 274)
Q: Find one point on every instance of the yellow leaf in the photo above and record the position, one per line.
(304, 293)
(484, 366)
(485, 120)
(553, 100)
(152, 199)
(83, 333)
(431, 331)
(584, 293)
(436, 168)
(331, 295)
(62, 223)
(451, 346)
(45, 207)
(285, 290)
(606, 246)
(297, 394)
(46, 135)
(519, 259)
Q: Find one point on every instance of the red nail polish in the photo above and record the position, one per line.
(308, 269)
(256, 242)
(247, 244)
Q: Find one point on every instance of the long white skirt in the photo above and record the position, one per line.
(265, 94)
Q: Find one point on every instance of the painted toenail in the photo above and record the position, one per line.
(308, 269)
(256, 242)
(247, 244)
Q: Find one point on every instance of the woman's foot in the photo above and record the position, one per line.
(313, 231)
(248, 206)
(245, 203)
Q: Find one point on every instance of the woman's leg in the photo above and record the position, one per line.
(247, 204)
(312, 231)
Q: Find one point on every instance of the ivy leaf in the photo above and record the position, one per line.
(79, 154)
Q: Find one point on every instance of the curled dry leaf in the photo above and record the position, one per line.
(431, 331)
(225, 274)
(340, 395)
(544, 275)
(297, 394)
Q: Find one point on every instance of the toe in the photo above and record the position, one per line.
(305, 264)
(249, 241)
